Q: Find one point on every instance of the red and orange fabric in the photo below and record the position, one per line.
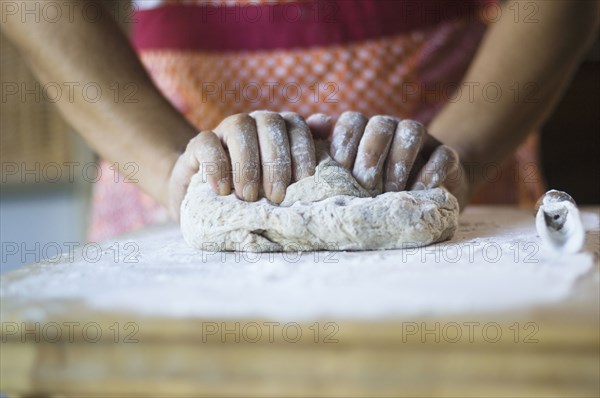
(214, 58)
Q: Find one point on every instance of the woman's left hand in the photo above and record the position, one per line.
(396, 155)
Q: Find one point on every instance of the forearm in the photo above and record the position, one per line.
(145, 129)
(532, 64)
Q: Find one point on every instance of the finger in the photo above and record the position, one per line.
(430, 144)
(211, 159)
(320, 125)
(406, 144)
(373, 150)
(347, 133)
(238, 132)
(442, 164)
(302, 147)
(274, 153)
(204, 154)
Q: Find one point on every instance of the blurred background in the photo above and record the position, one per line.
(38, 210)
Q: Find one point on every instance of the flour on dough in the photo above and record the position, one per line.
(327, 211)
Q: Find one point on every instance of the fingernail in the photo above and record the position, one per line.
(224, 187)
(391, 187)
(249, 193)
(278, 192)
(418, 186)
(436, 180)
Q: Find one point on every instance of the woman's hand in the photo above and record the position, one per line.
(389, 154)
(247, 152)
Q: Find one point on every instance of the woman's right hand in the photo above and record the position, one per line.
(246, 152)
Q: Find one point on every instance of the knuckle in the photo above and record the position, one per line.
(205, 137)
(236, 125)
(448, 153)
(264, 114)
(194, 145)
(349, 119)
(412, 127)
(238, 118)
(414, 124)
(382, 124)
(319, 120)
(354, 114)
(294, 116)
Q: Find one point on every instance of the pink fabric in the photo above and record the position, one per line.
(239, 26)
(369, 74)
(120, 207)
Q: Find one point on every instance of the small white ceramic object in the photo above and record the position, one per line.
(558, 222)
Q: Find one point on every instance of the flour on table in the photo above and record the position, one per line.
(494, 262)
(327, 211)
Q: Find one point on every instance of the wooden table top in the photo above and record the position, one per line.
(547, 349)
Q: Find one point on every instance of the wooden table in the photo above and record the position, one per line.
(546, 350)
